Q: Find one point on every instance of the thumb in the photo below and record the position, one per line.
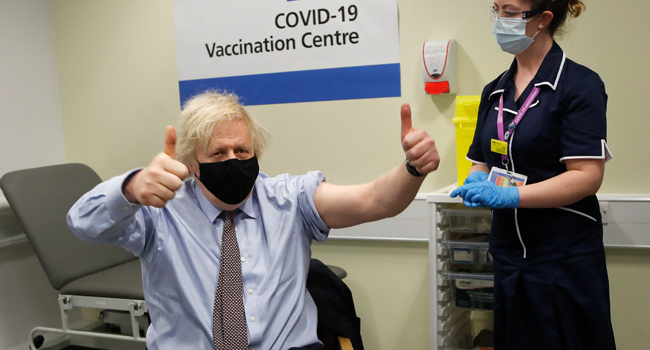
(170, 142)
(406, 119)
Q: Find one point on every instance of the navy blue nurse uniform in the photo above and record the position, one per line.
(550, 277)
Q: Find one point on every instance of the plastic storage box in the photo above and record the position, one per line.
(468, 252)
(473, 291)
(467, 220)
(465, 121)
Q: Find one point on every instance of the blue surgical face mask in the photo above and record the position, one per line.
(510, 34)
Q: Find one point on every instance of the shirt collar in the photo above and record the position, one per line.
(548, 73)
(211, 211)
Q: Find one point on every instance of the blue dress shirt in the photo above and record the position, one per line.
(179, 247)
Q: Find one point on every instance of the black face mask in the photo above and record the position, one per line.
(231, 180)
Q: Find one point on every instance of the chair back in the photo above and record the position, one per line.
(40, 199)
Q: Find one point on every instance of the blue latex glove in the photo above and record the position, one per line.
(487, 194)
(477, 176)
(462, 192)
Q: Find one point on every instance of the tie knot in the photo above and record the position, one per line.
(229, 215)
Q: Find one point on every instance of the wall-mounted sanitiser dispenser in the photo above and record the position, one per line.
(439, 67)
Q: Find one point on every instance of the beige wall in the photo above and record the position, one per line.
(118, 83)
(31, 135)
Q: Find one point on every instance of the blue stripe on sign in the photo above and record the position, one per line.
(304, 86)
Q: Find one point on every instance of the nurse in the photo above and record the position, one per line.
(542, 123)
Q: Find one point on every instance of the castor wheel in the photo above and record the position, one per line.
(38, 341)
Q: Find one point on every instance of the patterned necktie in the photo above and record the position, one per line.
(229, 322)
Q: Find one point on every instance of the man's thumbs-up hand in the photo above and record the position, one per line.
(170, 142)
(157, 183)
(419, 147)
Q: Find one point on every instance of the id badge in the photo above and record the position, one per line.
(500, 147)
(504, 178)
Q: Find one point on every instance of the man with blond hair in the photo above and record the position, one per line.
(224, 248)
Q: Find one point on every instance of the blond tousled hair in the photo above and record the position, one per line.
(206, 111)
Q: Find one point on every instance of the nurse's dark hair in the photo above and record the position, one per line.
(561, 9)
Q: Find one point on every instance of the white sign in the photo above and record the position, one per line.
(279, 51)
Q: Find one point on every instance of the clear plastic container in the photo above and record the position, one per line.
(482, 327)
(469, 252)
(466, 330)
(474, 291)
(454, 321)
(467, 220)
(458, 338)
(445, 309)
(484, 340)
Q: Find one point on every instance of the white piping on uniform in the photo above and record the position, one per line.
(557, 78)
(579, 213)
(512, 162)
(519, 233)
(495, 92)
(475, 162)
(545, 83)
(504, 74)
(606, 154)
(506, 110)
(513, 112)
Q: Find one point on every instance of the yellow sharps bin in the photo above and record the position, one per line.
(465, 120)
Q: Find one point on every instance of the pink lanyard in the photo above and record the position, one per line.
(511, 127)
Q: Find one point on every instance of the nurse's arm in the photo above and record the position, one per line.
(478, 167)
(582, 178)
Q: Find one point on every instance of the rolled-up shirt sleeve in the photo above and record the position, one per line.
(105, 215)
(311, 218)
